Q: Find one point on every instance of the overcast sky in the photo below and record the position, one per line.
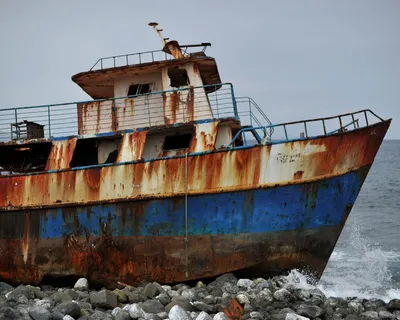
(297, 59)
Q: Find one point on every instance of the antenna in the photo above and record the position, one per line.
(154, 25)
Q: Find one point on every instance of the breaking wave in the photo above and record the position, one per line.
(358, 270)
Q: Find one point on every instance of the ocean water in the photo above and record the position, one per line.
(366, 259)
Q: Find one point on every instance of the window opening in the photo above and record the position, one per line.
(94, 151)
(138, 89)
(178, 77)
(24, 158)
(178, 141)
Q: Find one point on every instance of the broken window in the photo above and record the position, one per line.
(24, 158)
(94, 151)
(138, 89)
(178, 141)
(178, 77)
(168, 142)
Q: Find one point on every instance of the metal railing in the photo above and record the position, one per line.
(123, 113)
(305, 129)
(124, 60)
(251, 114)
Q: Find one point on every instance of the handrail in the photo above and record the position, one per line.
(150, 54)
(286, 124)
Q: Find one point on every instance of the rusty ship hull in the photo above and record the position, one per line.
(262, 208)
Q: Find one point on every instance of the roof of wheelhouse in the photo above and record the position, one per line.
(98, 82)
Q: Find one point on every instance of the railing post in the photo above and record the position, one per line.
(234, 102)
(251, 113)
(140, 58)
(354, 123)
(366, 117)
(340, 123)
(323, 123)
(48, 120)
(127, 62)
(305, 129)
(284, 128)
(152, 56)
(101, 63)
(216, 100)
(114, 61)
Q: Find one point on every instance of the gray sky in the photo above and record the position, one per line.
(297, 59)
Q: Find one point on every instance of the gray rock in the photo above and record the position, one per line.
(370, 315)
(245, 283)
(282, 295)
(163, 315)
(373, 304)
(27, 291)
(136, 297)
(103, 299)
(82, 284)
(310, 311)
(151, 290)
(39, 313)
(177, 313)
(57, 316)
(265, 298)
(220, 316)
(230, 288)
(164, 298)
(69, 307)
(393, 304)
(256, 315)
(22, 300)
(209, 299)
(120, 314)
(352, 317)
(5, 287)
(386, 315)
(397, 314)
(67, 317)
(189, 294)
(337, 302)
(151, 316)
(10, 314)
(294, 316)
(179, 301)
(59, 297)
(201, 306)
(227, 277)
(203, 316)
(46, 303)
(136, 312)
(278, 316)
(152, 306)
(73, 294)
(100, 315)
(356, 307)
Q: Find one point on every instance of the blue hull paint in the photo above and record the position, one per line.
(301, 206)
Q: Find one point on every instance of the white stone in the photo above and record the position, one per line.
(68, 317)
(242, 299)
(203, 316)
(82, 284)
(245, 283)
(177, 313)
(294, 316)
(136, 312)
(220, 316)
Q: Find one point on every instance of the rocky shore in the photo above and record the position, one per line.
(225, 298)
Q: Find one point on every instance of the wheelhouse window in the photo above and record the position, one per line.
(138, 89)
(178, 77)
(168, 142)
(95, 151)
(24, 158)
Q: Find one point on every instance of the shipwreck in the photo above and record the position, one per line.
(165, 175)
